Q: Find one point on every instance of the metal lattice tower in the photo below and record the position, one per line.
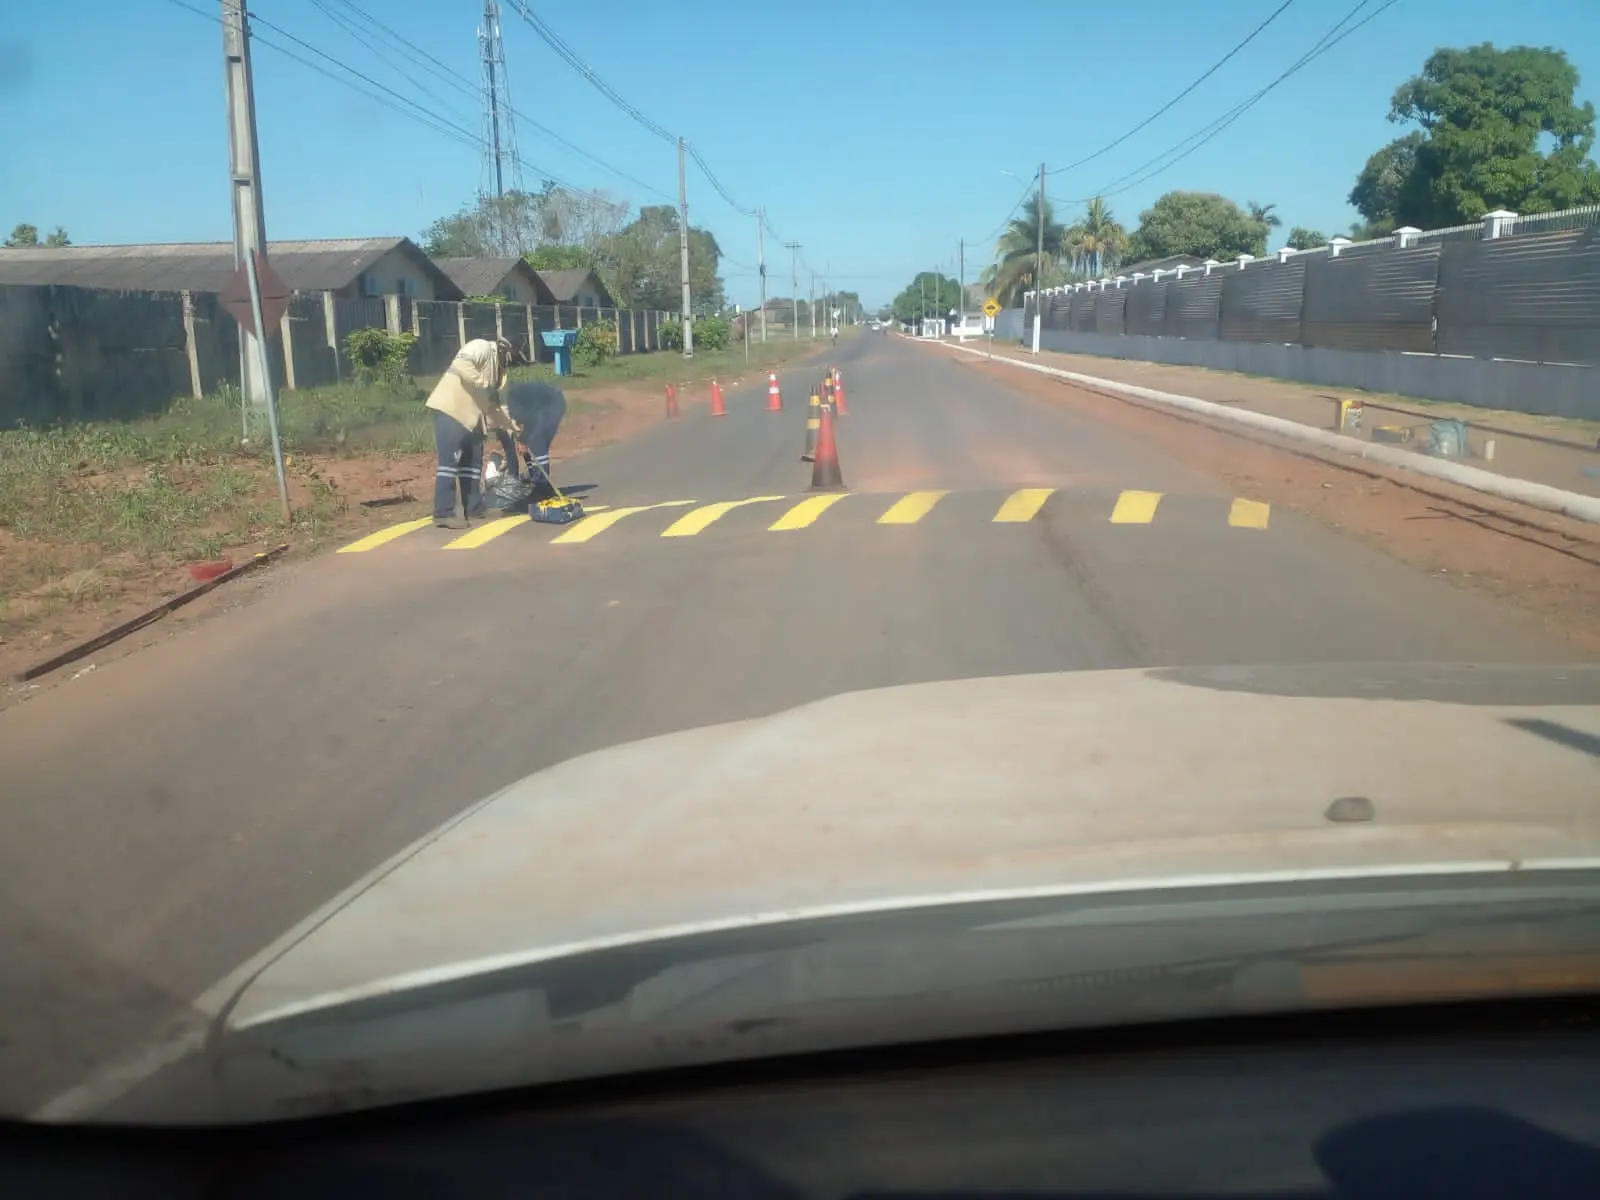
(502, 166)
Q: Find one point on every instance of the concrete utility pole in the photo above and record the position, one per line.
(244, 166)
(794, 282)
(761, 262)
(812, 304)
(683, 252)
(961, 270)
(1038, 265)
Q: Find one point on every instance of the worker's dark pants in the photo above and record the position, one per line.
(460, 467)
(539, 409)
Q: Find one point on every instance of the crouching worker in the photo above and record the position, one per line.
(468, 398)
(536, 410)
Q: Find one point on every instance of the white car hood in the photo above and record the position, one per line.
(932, 792)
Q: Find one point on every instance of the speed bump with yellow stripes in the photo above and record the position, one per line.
(676, 519)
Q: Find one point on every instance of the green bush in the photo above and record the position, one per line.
(669, 335)
(379, 356)
(597, 342)
(712, 333)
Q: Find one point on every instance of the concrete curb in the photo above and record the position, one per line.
(1537, 495)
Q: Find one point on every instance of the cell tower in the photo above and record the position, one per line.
(502, 166)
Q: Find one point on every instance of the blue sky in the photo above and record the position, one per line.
(874, 132)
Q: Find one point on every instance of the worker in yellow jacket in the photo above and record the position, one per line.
(468, 399)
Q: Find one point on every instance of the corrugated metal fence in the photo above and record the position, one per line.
(74, 354)
(1529, 294)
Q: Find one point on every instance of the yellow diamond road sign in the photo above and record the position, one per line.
(991, 307)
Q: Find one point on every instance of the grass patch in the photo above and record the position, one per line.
(85, 509)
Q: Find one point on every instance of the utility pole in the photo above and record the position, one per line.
(683, 251)
(812, 305)
(244, 166)
(761, 260)
(499, 132)
(489, 38)
(962, 271)
(794, 283)
(1038, 265)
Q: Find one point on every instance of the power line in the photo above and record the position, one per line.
(717, 184)
(469, 89)
(379, 53)
(424, 59)
(1181, 150)
(414, 112)
(405, 106)
(570, 56)
(1167, 107)
(1000, 228)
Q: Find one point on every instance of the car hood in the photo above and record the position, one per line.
(981, 788)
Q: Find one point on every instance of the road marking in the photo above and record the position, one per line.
(806, 512)
(593, 527)
(1023, 505)
(911, 508)
(373, 540)
(1248, 514)
(692, 523)
(487, 532)
(1135, 508)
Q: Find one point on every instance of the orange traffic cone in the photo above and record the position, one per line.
(672, 401)
(813, 423)
(774, 396)
(825, 473)
(838, 394)
(718, 409)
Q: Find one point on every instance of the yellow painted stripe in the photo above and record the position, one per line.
(593, 527)
(1135, 508)
(692, 523)
(911, 508)
(1023, 505)
(373, 540)
(487, 532)
(806, 512)
(1249, 514)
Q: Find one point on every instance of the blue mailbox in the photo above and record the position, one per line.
(561, 342)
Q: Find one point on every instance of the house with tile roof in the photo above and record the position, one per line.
(350, 268)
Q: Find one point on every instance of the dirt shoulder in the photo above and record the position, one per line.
(1550, 450)
(1546, 566)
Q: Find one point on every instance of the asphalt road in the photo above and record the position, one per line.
(170, 814)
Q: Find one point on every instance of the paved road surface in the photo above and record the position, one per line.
(169, 815)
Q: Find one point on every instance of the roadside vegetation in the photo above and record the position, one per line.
(87, 508)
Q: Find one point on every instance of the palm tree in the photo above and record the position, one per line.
(1263, 215)
(1097, 241)
(1017, 248)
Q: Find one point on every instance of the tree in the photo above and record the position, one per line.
(25, 237)
(641, 266)
(1484, 114)
(929, 293)
(1376, 195)
(1017, 249)
(519, 222)
(1201, 224)
(1301, 238)
(559, 257)
(1263, 216)
(1094, 245)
